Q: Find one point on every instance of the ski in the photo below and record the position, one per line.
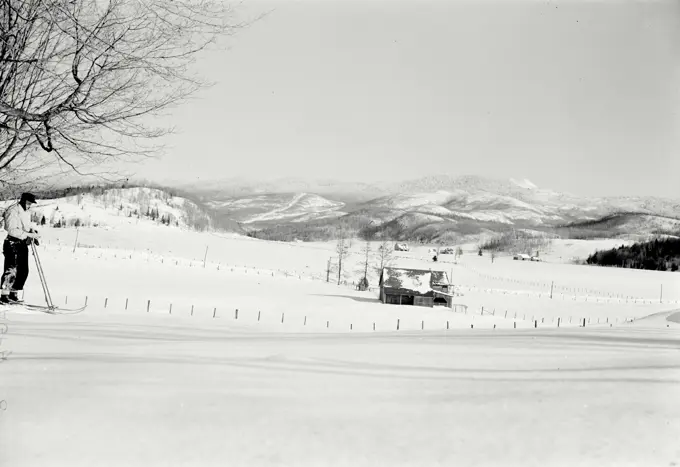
(54, 310)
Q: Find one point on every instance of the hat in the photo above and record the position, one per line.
(28, 197)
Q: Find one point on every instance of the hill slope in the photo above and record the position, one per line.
(622, 224)
(120, 206)
(276, 207)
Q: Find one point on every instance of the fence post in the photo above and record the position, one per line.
(148, 305)
(75, 244)
(192, 310)
(214, 312)
(258, 315)
(236, 314)
(126, 303)
(397, 324)
(170, 308)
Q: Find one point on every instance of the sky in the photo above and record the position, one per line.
(578, 96)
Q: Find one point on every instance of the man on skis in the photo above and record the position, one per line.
(20, 233)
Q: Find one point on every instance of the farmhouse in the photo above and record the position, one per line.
(417, 287)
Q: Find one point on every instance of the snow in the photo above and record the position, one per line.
(403, 279)
(524, 184)
(414, 200)
(270, 207)
(299, 376)
(115, 207)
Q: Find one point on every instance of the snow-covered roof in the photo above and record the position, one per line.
(419, 281)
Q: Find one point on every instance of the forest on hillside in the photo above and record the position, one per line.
(657, 255)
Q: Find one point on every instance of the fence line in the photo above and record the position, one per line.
(495, 319)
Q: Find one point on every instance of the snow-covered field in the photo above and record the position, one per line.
(255, 359)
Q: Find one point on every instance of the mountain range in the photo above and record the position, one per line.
(441, 208)
(429, 208)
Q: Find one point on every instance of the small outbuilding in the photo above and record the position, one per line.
(418, 287)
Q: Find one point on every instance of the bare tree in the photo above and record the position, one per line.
(342, 249)
(384, 256)
(79, 79)
(366, 252)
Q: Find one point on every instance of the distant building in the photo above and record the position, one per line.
(400, 286)
(522, 257)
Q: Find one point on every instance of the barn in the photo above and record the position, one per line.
(418, 287)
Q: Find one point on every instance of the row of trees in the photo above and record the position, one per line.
(515, 242)
(371, 260)
(658, 255)
(56, 220)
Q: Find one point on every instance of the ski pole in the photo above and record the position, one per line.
(42, 281)
(48, 295)
(41, 274)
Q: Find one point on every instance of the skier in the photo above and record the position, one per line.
(20, 233)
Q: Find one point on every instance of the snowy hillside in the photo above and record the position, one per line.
(291, 207)
(412, 200)
(524, 184)
(119, 206)
(638, 226)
